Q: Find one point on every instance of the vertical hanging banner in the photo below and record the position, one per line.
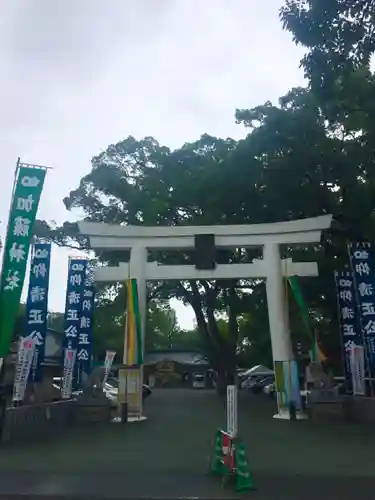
(357, 365)
(317, 356)
(84, 342)
(361, 259)
(73, 305)
(67, 379)
(280, 386)
(294, 285)
(26, 350)
(351, 334)
(130, 377)
(27, 192)
(37, 306)
(232, 418)
(133, 335)
(291, 384)
(108, 362)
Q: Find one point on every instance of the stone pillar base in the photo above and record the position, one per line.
(284, 415)
(131, 420)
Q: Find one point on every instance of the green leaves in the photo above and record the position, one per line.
(339, 36)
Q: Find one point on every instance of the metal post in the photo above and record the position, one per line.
(123, 413)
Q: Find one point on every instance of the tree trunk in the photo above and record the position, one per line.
(221, 382)
(221, 352)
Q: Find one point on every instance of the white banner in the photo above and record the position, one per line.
(357, 364)
(24, 360)
(232, 410)
(67, 380)
(109, 357)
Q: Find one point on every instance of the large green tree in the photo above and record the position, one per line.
(141, 182)
(309, 154)
(339, 38)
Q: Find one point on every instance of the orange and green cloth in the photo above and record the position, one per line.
(133, 337)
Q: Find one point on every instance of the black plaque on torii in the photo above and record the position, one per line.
(204, 251)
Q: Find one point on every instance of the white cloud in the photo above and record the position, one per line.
(77, 76)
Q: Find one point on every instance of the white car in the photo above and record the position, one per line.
(56, 384)
(269, 390)
(199, 381)
(111, 393)
(110, 389)
(250, 381)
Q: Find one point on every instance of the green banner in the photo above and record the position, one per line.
(293, 281)
(138, 322)
(26, 196)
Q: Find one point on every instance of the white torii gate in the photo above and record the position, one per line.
(138, 239)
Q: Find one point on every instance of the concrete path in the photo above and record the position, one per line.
(167, 456)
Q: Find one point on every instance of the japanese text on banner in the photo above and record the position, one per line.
(22, 216)
(363, 275)
(108, 361)
(67, 379)
(84, 344)
(37, 305)
(24, 360)
(74, 292)
(349, 325)
(357, 361)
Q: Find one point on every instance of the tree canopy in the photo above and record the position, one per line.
(339, 36)
(309, 154)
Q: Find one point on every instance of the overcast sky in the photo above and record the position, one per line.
(78, 75)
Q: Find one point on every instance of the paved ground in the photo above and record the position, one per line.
(167, 456)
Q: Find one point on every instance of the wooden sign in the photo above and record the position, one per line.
(130, 389)
(165, 367)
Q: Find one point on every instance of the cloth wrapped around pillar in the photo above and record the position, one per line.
(133, 336)
(130, 374)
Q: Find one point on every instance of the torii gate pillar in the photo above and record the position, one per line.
(277, 308)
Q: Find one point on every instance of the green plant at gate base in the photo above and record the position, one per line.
(244, 479)
(217, 465)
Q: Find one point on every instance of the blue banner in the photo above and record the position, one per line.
(361, 260)
(73, 303)
(37, 306)
(350, 328)
(84, 346)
